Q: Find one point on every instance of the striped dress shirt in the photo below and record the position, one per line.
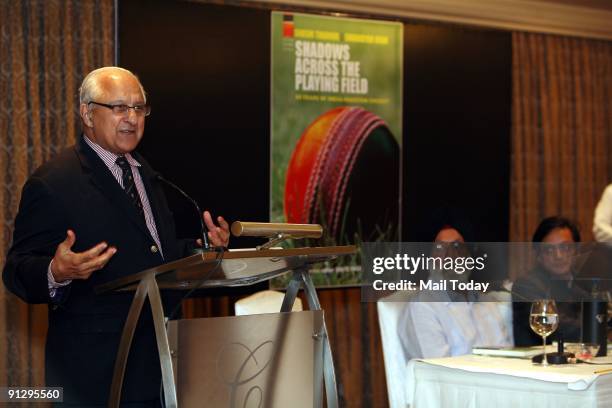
(109, 159)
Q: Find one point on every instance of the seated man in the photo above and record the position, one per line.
(555, 242)
(450, 323)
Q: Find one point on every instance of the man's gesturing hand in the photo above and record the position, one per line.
(217, 235)
(72, 265)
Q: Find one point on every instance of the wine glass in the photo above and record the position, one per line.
(544, 320)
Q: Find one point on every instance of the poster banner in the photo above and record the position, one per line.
(336, 118)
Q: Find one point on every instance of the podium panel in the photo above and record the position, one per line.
(266, 360)
(275, 335)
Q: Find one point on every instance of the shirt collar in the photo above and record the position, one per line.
(107, 157)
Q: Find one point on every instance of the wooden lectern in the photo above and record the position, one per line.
(214, 269)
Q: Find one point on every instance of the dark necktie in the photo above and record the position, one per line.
(129, 186)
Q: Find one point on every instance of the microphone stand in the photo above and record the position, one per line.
(203, 231)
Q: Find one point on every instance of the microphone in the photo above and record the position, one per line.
(203, 231)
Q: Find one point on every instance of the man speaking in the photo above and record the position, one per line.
(94, 213)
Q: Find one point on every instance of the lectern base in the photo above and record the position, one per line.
(267, 360)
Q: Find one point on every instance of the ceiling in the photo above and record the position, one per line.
(577, 18)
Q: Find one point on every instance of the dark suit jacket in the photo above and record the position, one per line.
(76, 190)
(538, 284)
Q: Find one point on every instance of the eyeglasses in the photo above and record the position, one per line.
(455, 245)
(123, 109)
(557, 249)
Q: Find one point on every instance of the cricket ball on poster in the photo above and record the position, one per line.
(344, 174)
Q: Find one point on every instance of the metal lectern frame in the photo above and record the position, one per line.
(195, 272)
(301, 276)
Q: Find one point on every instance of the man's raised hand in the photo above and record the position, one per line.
(79, 265)
(217, 235)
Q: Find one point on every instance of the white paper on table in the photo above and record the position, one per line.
(518, 352)
(601, 360)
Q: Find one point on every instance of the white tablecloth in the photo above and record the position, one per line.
(496, 382)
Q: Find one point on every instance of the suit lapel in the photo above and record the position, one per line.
(103, 180)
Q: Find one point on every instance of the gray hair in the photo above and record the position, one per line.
(91, 90)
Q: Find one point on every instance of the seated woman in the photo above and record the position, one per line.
(450, 323)
(552, 278)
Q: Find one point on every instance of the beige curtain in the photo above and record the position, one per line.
(46, 48)
(561, 130)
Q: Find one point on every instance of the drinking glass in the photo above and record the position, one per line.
(544, 320)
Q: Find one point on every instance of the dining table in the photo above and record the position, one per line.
(477, 381)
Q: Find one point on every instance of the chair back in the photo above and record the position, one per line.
(266, 301)
(389, 311)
